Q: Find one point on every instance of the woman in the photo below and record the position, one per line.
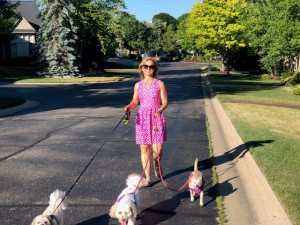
(150, 124)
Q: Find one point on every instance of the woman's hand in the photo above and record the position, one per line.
(157, 114)
(126, 108)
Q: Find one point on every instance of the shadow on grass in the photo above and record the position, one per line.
(239, 151)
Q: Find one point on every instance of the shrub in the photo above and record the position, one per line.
(266, 76)
(188, 57)
(296, 90)
(214, 68)
(292, 80)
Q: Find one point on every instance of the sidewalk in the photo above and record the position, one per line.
(248, 197)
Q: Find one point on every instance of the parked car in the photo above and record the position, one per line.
(166, 58)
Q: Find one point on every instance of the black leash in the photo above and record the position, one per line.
(89, 163)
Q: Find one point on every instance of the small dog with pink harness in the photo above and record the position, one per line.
(196, 184)
(127, 206)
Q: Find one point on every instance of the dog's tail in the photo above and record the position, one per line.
(196, 165)
(56, 200)
(133, 180)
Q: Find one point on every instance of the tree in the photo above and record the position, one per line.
(214, 26)
(273, 29)
(135, 35)
(8, 17)
(169, 40)
(167, 18)
(96, 22)
(186, 41)
(57, 39)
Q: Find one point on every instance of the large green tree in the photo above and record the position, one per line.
(273, 29)
(187, 42)
(135, 35)
(57, 39)
(167, 18)
(169, 41)
(214, 26)
(8, 18)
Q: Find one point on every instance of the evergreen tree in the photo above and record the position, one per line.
(57, 39)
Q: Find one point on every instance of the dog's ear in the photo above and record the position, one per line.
(134, 210)
(112, 211)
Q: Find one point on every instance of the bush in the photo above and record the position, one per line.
(296, 90)
(204, 58)
(187, 57)
(266, 76)
(292, 80)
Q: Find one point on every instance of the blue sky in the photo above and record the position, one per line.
(144, 11)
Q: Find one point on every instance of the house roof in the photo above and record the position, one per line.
(24, 27)
(29, 10)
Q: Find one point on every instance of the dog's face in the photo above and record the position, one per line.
(196, 180)
(123, 211)
(43, 220)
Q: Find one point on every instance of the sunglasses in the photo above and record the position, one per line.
(151, 67)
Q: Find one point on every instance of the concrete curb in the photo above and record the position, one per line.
(27, 105)
(248, 197)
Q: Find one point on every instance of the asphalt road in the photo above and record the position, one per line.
(72, 141)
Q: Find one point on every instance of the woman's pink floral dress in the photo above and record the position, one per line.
(150, 102)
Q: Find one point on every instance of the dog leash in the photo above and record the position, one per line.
(159, 166)
(91, 160)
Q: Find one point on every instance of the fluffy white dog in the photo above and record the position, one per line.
(127, 206)
(53, 215)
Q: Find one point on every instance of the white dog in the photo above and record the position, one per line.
(53, 215)
(127, 206)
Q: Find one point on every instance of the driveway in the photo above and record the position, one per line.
(73, 140)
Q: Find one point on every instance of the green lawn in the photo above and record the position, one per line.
(272, 133)
(241, 78)
(113, 72)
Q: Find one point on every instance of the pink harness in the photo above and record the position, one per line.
(198, 190)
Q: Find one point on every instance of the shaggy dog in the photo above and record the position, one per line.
(53, 215)
(127, 206)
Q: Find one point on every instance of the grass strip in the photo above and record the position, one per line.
(112, 72)
(240, 78)
(221, 219)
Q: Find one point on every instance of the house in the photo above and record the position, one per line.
(20, 51)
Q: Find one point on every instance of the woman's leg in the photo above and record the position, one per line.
(157, 155)
(145, 151)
